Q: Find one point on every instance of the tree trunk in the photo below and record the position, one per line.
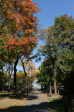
(50, 89)
(55, 87)
(25, 74)
(58, 92)
(15, 71)
(9, 81)
(55, 83)
(2, 69)
(23, 68)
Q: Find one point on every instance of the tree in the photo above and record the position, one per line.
(4, 78)
(49, 50)
(66, 35)
(30, 73)
(59, 47)
(4, 35)
(24, 83)
(44, 75)
(19, 18)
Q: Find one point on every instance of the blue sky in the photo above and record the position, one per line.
(51, 9)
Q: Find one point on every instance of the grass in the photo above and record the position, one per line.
(56, 104)
(10, 104)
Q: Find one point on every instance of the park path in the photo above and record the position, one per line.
(37, 103)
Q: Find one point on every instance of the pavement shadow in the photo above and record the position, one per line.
(31, 97)
(42, 107)
(11, 109)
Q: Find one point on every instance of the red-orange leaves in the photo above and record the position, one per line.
(23, 45)
(19, 15)
(21, 11)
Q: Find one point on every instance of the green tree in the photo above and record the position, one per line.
(59, 48)
(43, 76)
(19, 18)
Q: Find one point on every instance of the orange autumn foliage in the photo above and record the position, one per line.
(23, 46)
(22, 12)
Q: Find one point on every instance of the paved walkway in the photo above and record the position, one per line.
(36, 103)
